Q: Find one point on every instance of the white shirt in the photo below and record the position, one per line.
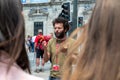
(33, 38)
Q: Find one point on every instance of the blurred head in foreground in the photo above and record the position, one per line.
(12, 34)
(99, 58)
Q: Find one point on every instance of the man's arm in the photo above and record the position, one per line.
(35, 43)
(47, 48)
(46, 55)
(35, 47)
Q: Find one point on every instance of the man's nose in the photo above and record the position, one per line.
(56, 30)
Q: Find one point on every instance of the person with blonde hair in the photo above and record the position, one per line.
(13, 57)
(99, 58)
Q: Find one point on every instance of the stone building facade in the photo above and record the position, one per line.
(40, 15)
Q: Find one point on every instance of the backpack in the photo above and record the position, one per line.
(40, 40)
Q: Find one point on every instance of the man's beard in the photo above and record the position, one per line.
(60, 35)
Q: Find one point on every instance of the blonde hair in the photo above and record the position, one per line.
(100, 55)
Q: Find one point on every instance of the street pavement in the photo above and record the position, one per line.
(45, 73)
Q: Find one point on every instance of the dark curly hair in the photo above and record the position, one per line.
(62, 20)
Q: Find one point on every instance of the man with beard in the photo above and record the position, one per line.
(55, 51)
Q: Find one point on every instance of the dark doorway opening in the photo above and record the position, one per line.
(37, 26)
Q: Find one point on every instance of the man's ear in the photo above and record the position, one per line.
(65, 30)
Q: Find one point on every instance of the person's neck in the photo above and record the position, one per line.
(61, 40)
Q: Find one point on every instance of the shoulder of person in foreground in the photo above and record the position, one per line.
(15, 73)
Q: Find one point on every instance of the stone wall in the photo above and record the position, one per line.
(46, 16)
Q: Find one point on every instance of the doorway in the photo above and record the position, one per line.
(38, 25)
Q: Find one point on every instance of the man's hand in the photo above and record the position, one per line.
(44, 44)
